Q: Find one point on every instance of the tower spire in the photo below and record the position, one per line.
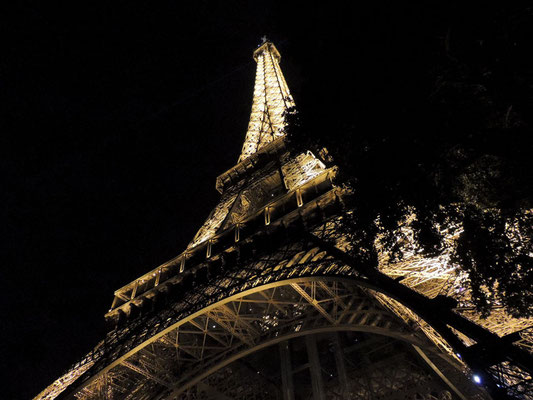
(271, 99)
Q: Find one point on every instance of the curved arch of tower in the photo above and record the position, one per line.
(265, 303)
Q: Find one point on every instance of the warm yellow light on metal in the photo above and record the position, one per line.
(335, 303)
(158, 276)
(271, 99)
(237, 232)
(182, 264)
(134, 291)
(433, 276)
(209, 248)
(299, 199)
(267, 215)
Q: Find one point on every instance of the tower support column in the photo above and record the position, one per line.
(286, 371)
(315, 369)
(339, 362)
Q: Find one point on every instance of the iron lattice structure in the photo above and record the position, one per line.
(266, 302)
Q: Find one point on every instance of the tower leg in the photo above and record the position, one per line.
(341, 367)
(314, 365)
(286, 371)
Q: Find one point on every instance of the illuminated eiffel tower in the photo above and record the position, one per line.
(265, 303)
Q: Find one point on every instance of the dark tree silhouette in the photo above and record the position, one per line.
(431, 119)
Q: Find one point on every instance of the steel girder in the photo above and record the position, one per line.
(290, 262)
(243, 324)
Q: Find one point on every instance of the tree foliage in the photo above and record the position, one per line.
(432, 119)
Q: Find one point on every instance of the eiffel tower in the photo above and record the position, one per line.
(266, 303)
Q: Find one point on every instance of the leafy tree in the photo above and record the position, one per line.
(440, 134)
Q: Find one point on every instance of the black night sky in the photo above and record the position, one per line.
(115, 120)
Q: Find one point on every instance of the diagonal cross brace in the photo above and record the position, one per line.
(313, 302)
(439, 315)
(146, 374)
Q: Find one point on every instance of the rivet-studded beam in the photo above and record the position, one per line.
(213, 338)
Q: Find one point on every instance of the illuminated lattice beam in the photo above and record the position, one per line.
(271, 99)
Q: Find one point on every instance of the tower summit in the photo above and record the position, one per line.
(270, 101)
